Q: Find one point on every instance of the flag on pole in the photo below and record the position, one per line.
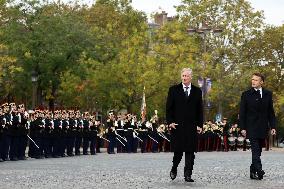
(143, 105)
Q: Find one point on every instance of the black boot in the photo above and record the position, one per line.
(187, 175)
(173, 173)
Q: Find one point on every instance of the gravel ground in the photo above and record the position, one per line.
(150, 170)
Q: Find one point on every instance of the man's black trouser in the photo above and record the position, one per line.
(189, 160)
(256, 149)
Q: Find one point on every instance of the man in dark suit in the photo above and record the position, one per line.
(256, 118)
(184, 114)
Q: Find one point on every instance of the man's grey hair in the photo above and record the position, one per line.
(186, 70)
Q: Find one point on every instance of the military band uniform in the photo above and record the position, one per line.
(110, 136)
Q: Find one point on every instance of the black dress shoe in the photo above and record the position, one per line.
(39, 157)
(14, 159)
(173, 173)
(188, 179)
(253, 176)
(187, 175)
(1, 160)
(22, 158)
(262, 171)
(260, 174)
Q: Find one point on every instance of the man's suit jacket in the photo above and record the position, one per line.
(257, 114)
(187, 112)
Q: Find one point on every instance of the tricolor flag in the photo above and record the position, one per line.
(143, 105)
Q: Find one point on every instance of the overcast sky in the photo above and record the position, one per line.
(273, 9)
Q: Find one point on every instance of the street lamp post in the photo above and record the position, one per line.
(34, 82)
(203, 30)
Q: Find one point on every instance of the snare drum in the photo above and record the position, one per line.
(248, 142)
(240, 140)
(232, 141)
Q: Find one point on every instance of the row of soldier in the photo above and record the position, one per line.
(127, 133)
(50, 134)
(62, 133)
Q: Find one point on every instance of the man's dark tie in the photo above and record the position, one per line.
(186, 91)
(258, 94)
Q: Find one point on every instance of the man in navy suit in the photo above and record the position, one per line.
(257, 117)
(184, 113)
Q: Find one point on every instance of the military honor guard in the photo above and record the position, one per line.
(143, 134)
(71, 133)
(57, 135)
(79, 132)
(2, 126)
(110, 132)
(120, 134)
(22, 132)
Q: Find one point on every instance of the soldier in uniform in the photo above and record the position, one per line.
(71, 133)
(79, 132)
(15, 119)
(93, 135)
(234, 133)
(120, 134)
(23, 131)
(143, 134)
(6, 136)
(135, 134)
(2, 125)
(110, 131)
(47, 134)
(164, 139)
(129, 133)
(209, 135)
(31, 120)
(149, 140)
(99, 140)
(86, 133)
(226, 128)
(154, 134)
(218, 130)
(65, 128)
(57, 135)
(36, 130)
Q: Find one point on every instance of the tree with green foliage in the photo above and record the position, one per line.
(224, 53)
